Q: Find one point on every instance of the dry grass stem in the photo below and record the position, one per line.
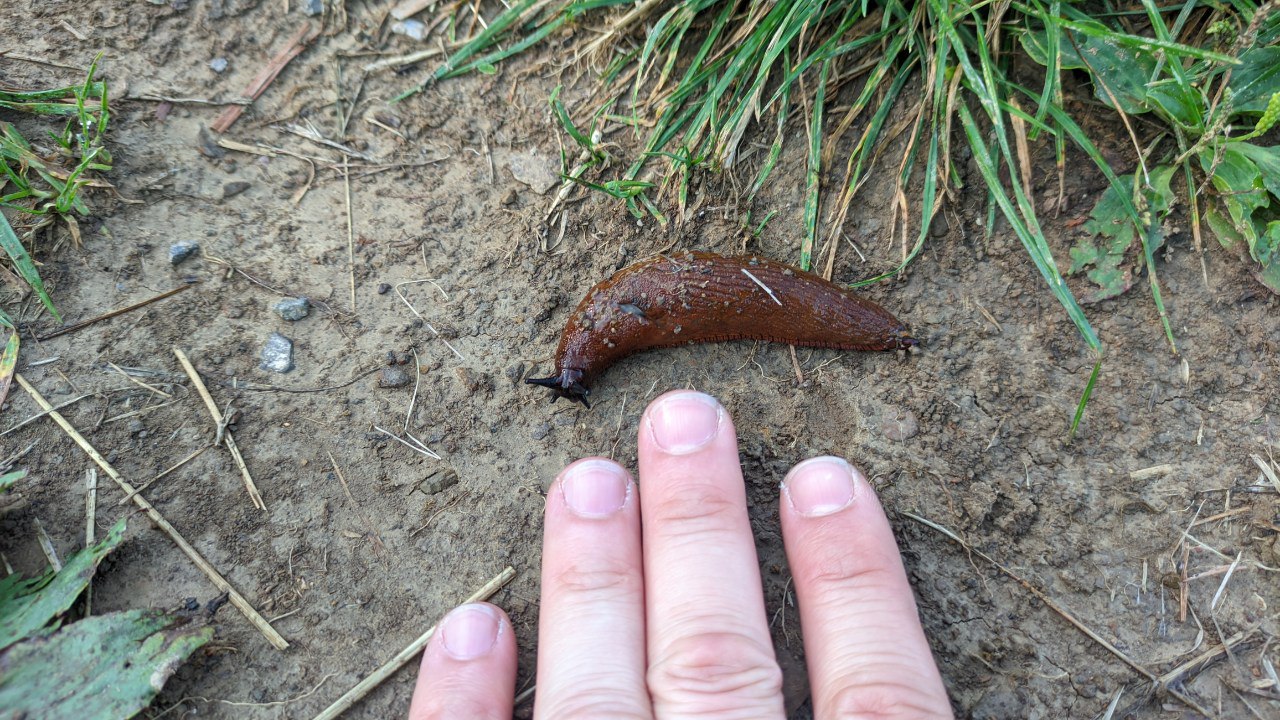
(212, 573)
(46, 545)
(220, 422)
(175, 466)
(90, 527)
(42, 413)
(138, 382)
(373, 532)
(351, 233)
(375, 678)
(113, 313)
(1064, 614)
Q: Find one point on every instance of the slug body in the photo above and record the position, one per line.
(696, 297)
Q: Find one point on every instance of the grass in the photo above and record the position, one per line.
(47, 180)
(692, 78)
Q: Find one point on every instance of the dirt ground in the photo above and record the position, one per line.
(1156, 502)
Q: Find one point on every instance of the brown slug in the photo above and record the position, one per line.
(695, 297)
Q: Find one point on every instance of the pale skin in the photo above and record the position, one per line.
(652, 604)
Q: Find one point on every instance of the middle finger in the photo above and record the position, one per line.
(710, 654)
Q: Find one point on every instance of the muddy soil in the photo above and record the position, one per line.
(1152, 529)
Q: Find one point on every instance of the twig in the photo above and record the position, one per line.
(399, 60)
(267, 74)
(90, 527)
(42, 413)
(414, 310)
(355, 505)
(152, 97)
(1062, 612)
(274, 388)
(220, 582)
(138, 382)
(351, 235)
(113, 313)
(177, 465)
(375, 678)
(249, 485)
(413, 443)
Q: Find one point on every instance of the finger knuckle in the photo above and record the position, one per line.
(877, 701)
(590, 708)
(596, 577)
(716, 664)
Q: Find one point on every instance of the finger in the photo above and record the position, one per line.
(591, 655)
(866, 651)
(469, 667)
(710, 654)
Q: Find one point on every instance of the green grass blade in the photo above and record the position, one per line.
(1084, 398)
(22, 262)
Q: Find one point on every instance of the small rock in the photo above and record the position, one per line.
(384, 288)
(292, 309)
(136, 427)
(939, 227)
(438, 481)
(180, 251)
(541, 431)
(313, 7)
(233, 189)
(415, 29)
(511, 198)
(393, 377)
(218, 65)
(515, 372)
(899, 425)
(533, 170)
(277, 354)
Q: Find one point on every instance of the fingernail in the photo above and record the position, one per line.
(470, 631)
(595, 488)
(820, 486)
(683, 422)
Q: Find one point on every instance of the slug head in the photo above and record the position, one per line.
(902, 339)
(568, 384)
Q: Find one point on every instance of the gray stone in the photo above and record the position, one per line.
(541, 431)
(393, 377)
(218, 64)
(233, 189)
(277, 354)
(292, 309)
(313, 7)
(180, 251)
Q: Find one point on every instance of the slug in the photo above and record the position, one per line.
(696, 297)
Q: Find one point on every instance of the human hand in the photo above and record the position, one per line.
(665, 618)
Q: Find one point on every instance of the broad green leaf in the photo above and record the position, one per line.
(1266, 159)
(24, 612)
(1255, 80)
(1222, 228)
(105, 667)
(7, 480)
(1240, 189)
(1123, 70)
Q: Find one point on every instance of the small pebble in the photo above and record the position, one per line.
(136, 427)
(277, 354)
(899, 425)
(313, 7)
(541, 431)
(384, 288)
(233, 189)
(292, 309)
(218, 64)
(182, 250)
(415, 29)
(393, 377)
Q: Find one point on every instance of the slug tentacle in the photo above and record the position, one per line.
(566, 384)
(694, 297)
